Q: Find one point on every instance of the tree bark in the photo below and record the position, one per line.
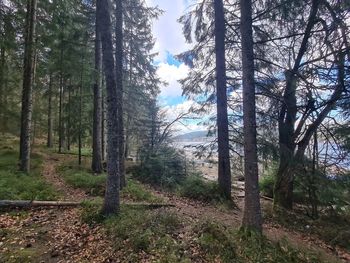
(2, 72)
(119, 82)
(80, 135)
(224, 171)
(252, 213)
(112, 200)
(49, 116)
(96, 165)
(2, 80)
(68, 112)
(60, 115)
(27, 92)
(283, 190)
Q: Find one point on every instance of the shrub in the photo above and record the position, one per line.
(15, 185)
(198, 188)
(135, 191)
(91, 212)
(165, 167)
(267, 180)
(81, 177)
(216, 240)
(266, 185)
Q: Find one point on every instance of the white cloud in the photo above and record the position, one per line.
(167, 30)
(186, 124)
(172, 74)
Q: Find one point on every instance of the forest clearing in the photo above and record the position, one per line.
(174, 131)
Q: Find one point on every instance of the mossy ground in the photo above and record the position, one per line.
(15, 185)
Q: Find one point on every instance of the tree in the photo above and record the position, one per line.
(252, 211)
(27, 104)
(97, 119)
(224, 171)
(119, 83)
(111, 201)
(49, 116)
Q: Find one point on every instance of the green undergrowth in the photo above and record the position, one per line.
(162, 235)
(81, 177)
(15, 185)
(333, 228)
(229, 245)
(196, 187)
(141, 233)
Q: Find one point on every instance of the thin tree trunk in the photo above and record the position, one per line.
(119, 83)
(69, 129)
(252, 212)
(60, 117)
(2, 80)
(224, 171)
(49, 116)
(112, 200)
(34, 96)
(103, 132)
(2, 73)
(80, 106)
(96, 165)
(27, 104)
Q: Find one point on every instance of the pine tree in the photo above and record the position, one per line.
(224, 171)
(111, 201)
(252, 212)
(27, 104)
(97, 119)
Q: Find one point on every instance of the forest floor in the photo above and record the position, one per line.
(61, 234)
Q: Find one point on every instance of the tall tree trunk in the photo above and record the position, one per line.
(224, 171)
(60, 115)
(69, 129)
(112, 200)
(96, 165)
(27, 93)
(2, 86)
(119, 83)
(252, 212)
(104, 126)
(34, 121)
(49, 116)
(81, 107)
(2, 70)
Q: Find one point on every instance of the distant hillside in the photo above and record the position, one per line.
(191, 136)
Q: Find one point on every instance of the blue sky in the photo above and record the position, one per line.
(170, 42)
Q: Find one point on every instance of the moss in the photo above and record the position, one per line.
(15, 185)
(81, 177)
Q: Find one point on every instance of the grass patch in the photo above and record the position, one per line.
(81, 177)
(15, 185)
(26, 255)
(141, 232)
(223, 244)
(195, 187)
(137, 192)
(332, 228)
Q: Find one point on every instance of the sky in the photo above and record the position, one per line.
(170, 42)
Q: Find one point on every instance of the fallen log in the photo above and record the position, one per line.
(29, 204)
(148, 206)
(266, 198)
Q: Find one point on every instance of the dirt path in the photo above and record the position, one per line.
(49, 172)
(53, 235)
(200, 211)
